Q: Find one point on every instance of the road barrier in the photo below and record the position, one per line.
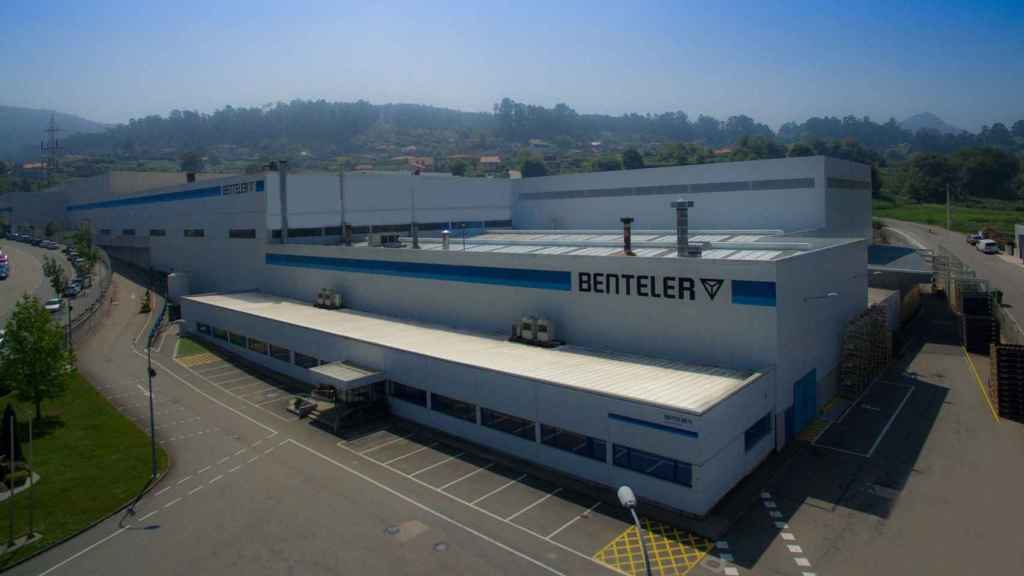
(86, 319)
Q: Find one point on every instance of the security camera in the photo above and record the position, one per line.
(626, 497)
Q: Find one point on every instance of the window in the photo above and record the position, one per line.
(242, 233)
(572, 442)
(652, 465)
(305, 232)
(332, 231)
(220, 333)
(157, 232)
(509, 424)
(305, 361)
(257, 346)
(409, 394)
(282, 354)
(452, 407)
(236, 339)
(128, 232)
(757, 431)
(194, 233)
(202, 328)
(105, 232)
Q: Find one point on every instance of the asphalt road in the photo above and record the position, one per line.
(1001, 274)
(26, 276)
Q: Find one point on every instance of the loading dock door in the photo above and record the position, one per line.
(805, 402)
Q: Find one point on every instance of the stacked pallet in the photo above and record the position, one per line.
(1009, 381)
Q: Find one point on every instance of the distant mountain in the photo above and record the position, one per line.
(21, 130)
(929, 121)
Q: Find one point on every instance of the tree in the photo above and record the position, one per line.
(799, 149)
(459, 167)
(1018, 129)
(51, 229)
(3, 168)
(928, 176)
(632, 160)
(531, 166)
(56, 274)
(191, 161)
(34, 361)
(606, 164)
(987, 172)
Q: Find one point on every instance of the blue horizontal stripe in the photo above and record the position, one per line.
(662, 427)
(150, 199)
(753, 293)
(526, 278)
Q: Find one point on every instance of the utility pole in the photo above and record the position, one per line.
(948, 213)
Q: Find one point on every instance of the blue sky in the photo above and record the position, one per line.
(773, 60)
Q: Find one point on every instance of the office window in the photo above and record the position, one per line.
(652, 465)
(578, 444)
(452, 407)
(257, 346)
(220, 333)
(194, 233)
(236, 339)
(409, 394)
(128, 232)
(282, 354)
(157, 232)
(105, 232)
(757, 431)
(332, 231)
(305, 361)
(202, 328)
(507, 423)
(242, 233)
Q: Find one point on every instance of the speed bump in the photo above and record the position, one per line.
(673, 551)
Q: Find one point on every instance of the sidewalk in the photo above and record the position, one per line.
(1012, 260)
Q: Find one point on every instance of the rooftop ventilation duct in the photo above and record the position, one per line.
(627, 236)
(683, 248)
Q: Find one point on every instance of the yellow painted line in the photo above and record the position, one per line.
(197, 359)
(672, 551)
(981, 385)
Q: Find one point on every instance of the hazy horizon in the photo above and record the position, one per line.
(117, 60)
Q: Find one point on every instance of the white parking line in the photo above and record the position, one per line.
(253, 459)
(428, 447)
(162, 491)
(230, 380)
(389, 443)
(201, 470)
(574, 519)
(496, 490)
(545, 497)
(172, 502)
(432, 466)
(457, 480)
(224, 459)
(235, 468)
(185, 479)
(148, 515)
(268, 450)
(194, 490)
(215, 479)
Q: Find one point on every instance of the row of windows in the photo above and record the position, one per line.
(757, 431)
(260, 347)
(423, 226)
(194, 233)
(244, 233)
(585, 446)
(650, 464)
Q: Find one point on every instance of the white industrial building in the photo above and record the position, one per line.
(690, 350)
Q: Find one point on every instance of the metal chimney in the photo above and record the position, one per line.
(282, 176)
(445, 239)
(627, 236)
(190, 177)
(682, 227)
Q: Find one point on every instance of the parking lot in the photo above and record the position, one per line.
(545, 508)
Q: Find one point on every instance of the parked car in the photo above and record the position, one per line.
(987, 246)
(72, 290)
(54, 305)
(973, 238)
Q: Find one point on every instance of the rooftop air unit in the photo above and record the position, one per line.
(528, 328)
(384, 239)
(545, 331)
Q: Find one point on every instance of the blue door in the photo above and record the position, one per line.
(805, 401)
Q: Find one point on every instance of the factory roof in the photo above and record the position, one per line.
(665, 383)
(744, 245)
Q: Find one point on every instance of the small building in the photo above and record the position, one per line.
(490, 164)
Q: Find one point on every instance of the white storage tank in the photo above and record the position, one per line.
(177, 285)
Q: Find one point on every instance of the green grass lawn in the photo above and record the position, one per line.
(91, 460)
(964, 219)
(188, 347)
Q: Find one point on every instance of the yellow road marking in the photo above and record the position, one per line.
(981, 385)
(197, 359)
(673, 552)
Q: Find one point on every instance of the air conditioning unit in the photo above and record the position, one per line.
(385, 239)
(545, 331)
(528, 328)
(328, 298)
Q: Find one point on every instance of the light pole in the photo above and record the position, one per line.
(67, 330)
(628, 501)
(152, 422)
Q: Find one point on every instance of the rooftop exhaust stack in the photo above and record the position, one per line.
(282, 178)
(683, 248)
(445, 240)
(627, 236)
(190, 177)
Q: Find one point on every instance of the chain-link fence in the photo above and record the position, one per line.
(87, 317)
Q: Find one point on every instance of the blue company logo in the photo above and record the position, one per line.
(647, 285)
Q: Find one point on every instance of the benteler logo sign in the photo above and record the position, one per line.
(650, 286)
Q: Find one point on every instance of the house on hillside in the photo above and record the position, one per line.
(490, 164)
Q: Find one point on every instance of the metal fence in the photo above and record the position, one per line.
(87, 318)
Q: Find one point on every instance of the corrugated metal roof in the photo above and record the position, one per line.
(666, 383)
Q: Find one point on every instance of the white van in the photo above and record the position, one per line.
(987, 246)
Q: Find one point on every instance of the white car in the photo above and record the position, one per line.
(987, 246)
(53, 304)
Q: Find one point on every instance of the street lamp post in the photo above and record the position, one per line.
(628, 501)
(152, 421)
